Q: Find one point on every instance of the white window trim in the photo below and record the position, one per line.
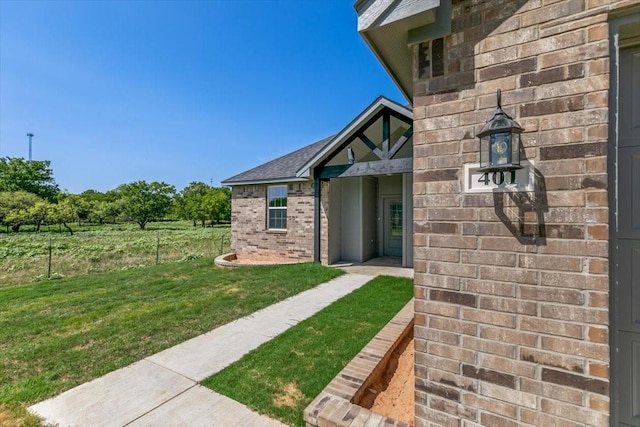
(269, 208)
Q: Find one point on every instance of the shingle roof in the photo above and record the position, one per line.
(281, 168)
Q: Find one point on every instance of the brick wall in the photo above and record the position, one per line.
(512, 289)
(249, 235)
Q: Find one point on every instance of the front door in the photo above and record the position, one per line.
(393, 227)
(626, 244)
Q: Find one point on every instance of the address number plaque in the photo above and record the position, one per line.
(476, 181)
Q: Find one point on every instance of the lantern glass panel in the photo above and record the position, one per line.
(515, 149)
(484, 151)
(500, 149)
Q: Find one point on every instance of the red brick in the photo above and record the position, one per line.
(575, 314)
(436, 281)
(598, 232)
(597, 199)
(598, 266)
(490, 405)
(575, 381)
(462, 242)
(575, 348)
(458, 326)
(489, 317)
(555, 11)
(552, 75)
(576, 54)
(546, 326)
(599, 404)
(561, 296)
(488, 258)
(598, 299)
(599, 370)
(546, 389)
(553, 359)
(451, 352)
(489, 347)
(488, 287)
(453, 269)
(508, 305)
(508, 336)
(575, 281)
(598, 335)
(539, 419)
(550, 262)
(598, 32)
(434, 335)
(508, 274)
(553, 106)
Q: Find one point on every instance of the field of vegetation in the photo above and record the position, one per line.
(24, 256)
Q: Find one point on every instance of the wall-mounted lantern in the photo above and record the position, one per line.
(500, 142)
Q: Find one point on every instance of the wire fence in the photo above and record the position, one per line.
(31, 257)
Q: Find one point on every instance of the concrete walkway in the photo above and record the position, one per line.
(164, 390)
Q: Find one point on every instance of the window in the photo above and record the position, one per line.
(277, 207)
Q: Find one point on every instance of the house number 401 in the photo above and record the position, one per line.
(497, 177)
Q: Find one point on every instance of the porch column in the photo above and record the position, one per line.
(317, 207)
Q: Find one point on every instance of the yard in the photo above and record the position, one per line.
(60, 333)
(281, 377)
(24, 256)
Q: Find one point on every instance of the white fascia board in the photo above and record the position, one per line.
(405, 9)
(260, 182)
(370, 11)
(374, 14)
(351, 128)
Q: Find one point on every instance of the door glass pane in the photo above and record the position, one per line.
(396, 219)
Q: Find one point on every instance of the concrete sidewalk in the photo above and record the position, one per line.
(164, 390)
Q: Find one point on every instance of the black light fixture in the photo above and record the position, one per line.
(500, 142)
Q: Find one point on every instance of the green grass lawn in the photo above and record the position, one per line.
(281, 377)
(58, 334)
(24, 256)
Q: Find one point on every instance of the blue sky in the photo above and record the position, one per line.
(177, 91)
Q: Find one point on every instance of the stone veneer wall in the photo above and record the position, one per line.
(250, 237)
(511, 322)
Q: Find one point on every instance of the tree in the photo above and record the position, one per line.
(191, 202)
(41, 212)
(218, 204)
(15, 206)
(31, 176)
(144, 202)
(93, 196)
(68, 210)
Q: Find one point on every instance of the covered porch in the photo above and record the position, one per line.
(363, 189)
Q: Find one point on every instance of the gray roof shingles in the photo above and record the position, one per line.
(281, 168)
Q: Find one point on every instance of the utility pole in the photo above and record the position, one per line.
(30, 135)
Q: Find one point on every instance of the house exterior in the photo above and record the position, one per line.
(527, 306)
(345, 198)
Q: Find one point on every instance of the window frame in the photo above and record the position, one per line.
(274, 209)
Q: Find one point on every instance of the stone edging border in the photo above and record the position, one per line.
(333, 405)
(228, 260)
